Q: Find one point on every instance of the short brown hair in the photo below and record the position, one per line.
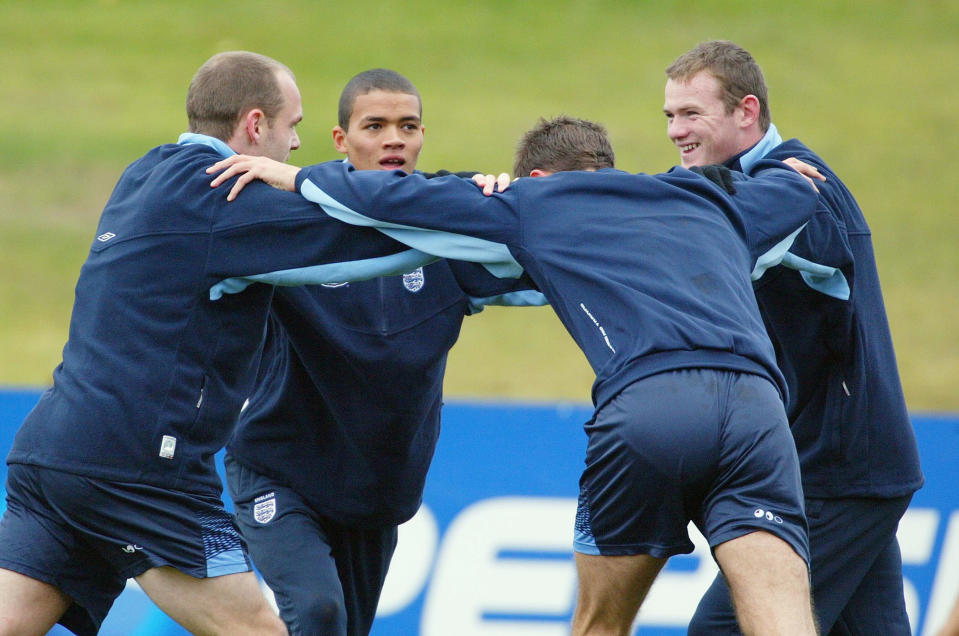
(563, 143)
(229, 85)
(733, 67)
(375, 79)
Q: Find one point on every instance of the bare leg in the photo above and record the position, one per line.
(611, 589)
(232, 604)
(769, 585)
(29, 606)
(951, 626)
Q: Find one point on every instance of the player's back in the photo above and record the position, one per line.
(648, 273)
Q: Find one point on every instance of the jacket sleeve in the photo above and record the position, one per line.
(447, 216)
(275, 237)
(483, 289)
(821, 252)
(480, 286)
(777, 206)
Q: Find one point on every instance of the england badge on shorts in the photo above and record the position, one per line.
(264, 507)
(414, 280)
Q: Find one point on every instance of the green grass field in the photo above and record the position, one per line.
(89, 86)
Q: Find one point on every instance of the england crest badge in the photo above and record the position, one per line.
(414, 280)
(264, 507)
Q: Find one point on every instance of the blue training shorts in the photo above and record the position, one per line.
(702, 445)
(88, 536)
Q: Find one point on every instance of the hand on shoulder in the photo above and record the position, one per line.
(279, 175)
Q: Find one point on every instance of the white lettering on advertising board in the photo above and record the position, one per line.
(504, 567)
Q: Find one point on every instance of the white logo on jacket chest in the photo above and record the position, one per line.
(415, 280)
(264, 507)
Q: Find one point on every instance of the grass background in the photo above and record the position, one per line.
(87, 87)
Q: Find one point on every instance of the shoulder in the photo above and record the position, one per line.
(833, 193)
(799, 150)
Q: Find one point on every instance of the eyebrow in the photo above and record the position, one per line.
(379, 118)
(681, 107)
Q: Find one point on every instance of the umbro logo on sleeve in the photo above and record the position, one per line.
(759, 513)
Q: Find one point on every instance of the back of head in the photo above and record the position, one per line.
(375, 79)
(229, 85)
(733, 67)
(563, 143)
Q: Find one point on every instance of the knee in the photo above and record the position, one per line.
(317, 614)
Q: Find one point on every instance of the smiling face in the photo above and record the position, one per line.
(385, 132)
(700, 125)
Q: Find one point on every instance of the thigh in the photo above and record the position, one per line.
(610, 591)
(856, 584)
(292, 551)
(856, 565)
(29, 606)
(327, 578)
(74, 583)
(229, 604)
(768, 583)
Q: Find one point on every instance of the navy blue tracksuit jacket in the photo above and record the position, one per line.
(347, 406)
(154, 372)
(648, 273)
(846, 407)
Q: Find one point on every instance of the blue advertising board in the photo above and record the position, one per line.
(489, 552)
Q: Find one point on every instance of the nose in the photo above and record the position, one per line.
(295, 141)
(393, 138)
(675, 129)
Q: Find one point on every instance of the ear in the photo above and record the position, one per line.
(339, 139)
(750, 107)
(254, 125)
(536, 172)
